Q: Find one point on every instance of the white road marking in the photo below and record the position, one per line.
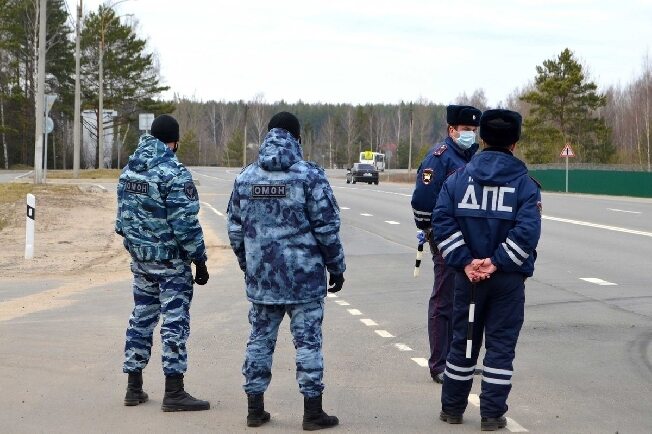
(474, 399)
(513, 426)
(24, 174)
(368, 322)
(597, 281)
(100, 186)
(392, 222)
(366, 215)
(622, 210)
(354, 312)
(212, 177)
(421, 362)
(595, 225)
(402, 347)
(212, 208)
(384, 333)
(331, 295)
(344, 207)
(342, 303)
(376, 191)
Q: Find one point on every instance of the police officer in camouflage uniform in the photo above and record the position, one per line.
(157, 217)
(283, 224)
(444, 159)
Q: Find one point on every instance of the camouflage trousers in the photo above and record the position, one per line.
(164, 289)
(305, 325)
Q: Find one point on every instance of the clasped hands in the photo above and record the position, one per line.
(479, 269)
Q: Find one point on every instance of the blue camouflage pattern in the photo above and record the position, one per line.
(158, 205)
(160, 288)
(283, 225)
(305, 326)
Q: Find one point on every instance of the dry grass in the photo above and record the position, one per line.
(13, 195)
(85, 174)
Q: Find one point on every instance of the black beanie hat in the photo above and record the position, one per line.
(166, 129)
(463, 115)
(287, 121)
(500, 127)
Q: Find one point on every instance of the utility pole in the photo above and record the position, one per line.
(77, 126)
(410, 151)
(100, 116)
(244, 143)
(40, 96)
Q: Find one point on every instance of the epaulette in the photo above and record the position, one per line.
(440, 150)
(536, 182)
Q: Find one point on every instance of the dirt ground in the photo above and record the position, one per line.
(75, 244)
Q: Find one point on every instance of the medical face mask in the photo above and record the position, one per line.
(466, 139)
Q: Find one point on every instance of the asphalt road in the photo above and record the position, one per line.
(583, 365)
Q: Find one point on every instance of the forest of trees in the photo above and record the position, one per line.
(560, 105)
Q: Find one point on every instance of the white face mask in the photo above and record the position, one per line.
(466, 139)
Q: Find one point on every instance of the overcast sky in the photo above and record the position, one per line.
(383, 51)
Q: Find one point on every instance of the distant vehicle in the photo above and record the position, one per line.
(376, 159)
(362, 173)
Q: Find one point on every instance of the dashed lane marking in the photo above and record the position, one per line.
(392, 222)
(331, 295)
(625, 211)
(402, 347)
(212, 208)
(595, 225)
(474, 399)
(354, 312)
(420, 361)
(364, 214)
(597, 281)
(376, 191)
(368, 322)
(342, 303)
(212, 177)
(384, 333)
(513, 426)
(344, 207)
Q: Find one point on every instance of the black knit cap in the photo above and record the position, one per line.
(166, 129)
(287, 121)
(463, 115)
(500, 127)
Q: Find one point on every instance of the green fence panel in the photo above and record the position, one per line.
(609, 182)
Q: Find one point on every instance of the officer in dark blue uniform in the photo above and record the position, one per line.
(444, 159)
(487, 224)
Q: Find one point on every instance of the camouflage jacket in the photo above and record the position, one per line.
(283, 224)
(158, 205)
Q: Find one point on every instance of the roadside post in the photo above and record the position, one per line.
(567, 153)
(29, 229)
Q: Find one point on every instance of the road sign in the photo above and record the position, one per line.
(49, 101)
(567, 151)
(49, 125)
(145, 121)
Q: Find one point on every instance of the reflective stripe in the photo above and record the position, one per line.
(452, 247)
(421, 212)
(459, 368)
(496, 381)
(512, 256)
(458, 377)
(497, 371)
(518, 250)
(450, 239)
(421, 219)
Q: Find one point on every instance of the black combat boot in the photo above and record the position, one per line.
(453, 419)
(314, 417)
(257, 414)
(135, 394)
(177, 399)
(493, 423)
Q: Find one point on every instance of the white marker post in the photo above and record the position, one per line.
(29, 229)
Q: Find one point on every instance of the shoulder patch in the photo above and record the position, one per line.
(535, 181)
(440, 150)
(268, 191)
(426, 175)
(137, 187)
(190, 191)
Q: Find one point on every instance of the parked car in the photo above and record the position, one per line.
(363, 173)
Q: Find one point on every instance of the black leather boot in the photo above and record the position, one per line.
(257, 414)
(177, 399)
(135, 394)
(492, 423)
(314, 417)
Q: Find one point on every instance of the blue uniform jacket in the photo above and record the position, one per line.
(158, 205)
(489, 209)
(445, 158)
(283, 224)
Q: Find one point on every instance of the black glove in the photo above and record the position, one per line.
(335, 282)
(201, 273)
